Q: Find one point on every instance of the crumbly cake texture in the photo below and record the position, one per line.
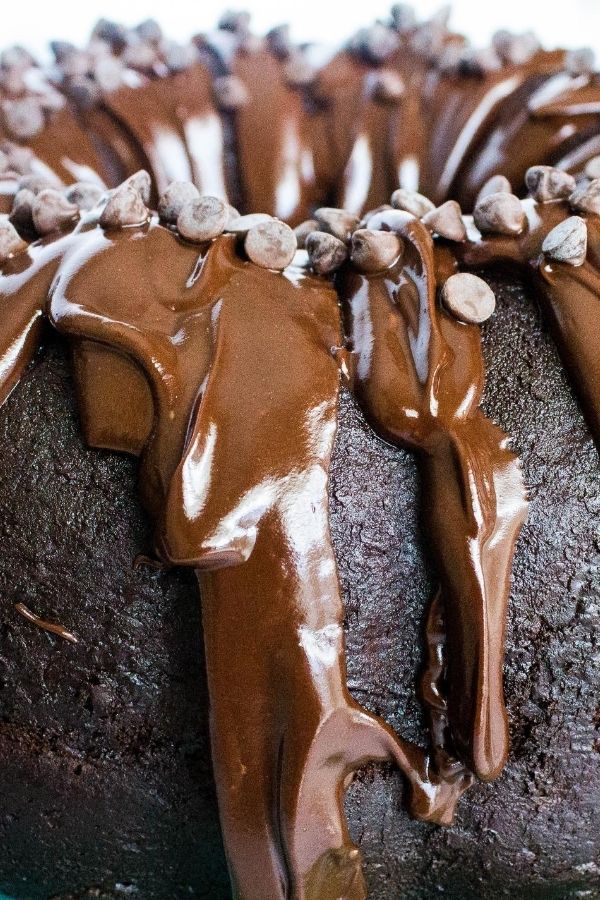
(106, 759)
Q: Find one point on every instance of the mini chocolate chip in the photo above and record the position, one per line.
(447, 221)
(586, 198)
(53, 212)
(179, 57)
(141, 56)
(16, 57)
(515, 49)
(386, 86)
(581, 61)
(62, 50)
(230, 92)
(125, 207)
(567, 242)
(10, 240)
(298, 71)
(98, 49)
(141, 182)
(202, 219)
(109, 73)
(23, 118)
(271, 245)
(21, 214)
(412, 202)
(592, 168)
(499, 214)
(37, 183)
(468, 298)
(303, 230)
(497, 184)
(546, 183)
(20, 159)
(236, 22)
(242, 224)
(430, 37)
(279, 41)
(176, 196)
(112, 33)
(338, 222)
(375, 43)
(374, 251)
(326, 253)
(84, 194)
(149, 30)
(389, 220)
(403, 17)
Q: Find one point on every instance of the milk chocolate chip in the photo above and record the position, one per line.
(271, 245)
(202, 219)
(468, 298)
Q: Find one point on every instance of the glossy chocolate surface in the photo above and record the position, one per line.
(224, 379)
(568, 294)
(450, 128)
(239, 492)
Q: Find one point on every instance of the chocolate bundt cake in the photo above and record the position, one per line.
(332, 635)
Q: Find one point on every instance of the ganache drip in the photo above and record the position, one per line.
(226, 386)
(223, 375)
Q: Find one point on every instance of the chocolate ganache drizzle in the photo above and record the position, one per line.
(218, 361)
(567, 284)
(418, 376)
(204, 346)
(222, 375)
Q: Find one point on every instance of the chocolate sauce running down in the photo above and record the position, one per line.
(419, 378)
(422, 110)
(222, 376)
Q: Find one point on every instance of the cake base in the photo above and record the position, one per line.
(105, 776)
